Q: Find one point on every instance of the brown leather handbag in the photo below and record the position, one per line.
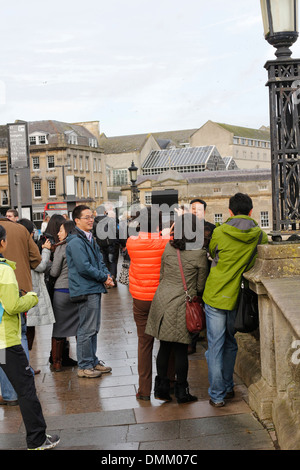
(194, 311)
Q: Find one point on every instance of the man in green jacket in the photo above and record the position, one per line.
(230, 248)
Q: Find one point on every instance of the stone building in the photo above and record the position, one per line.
(250, 148)
(215, 187)
(240, 147)
(60, 154)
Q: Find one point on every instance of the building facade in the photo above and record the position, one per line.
(66, 163)
(250, 148)
(216, 188)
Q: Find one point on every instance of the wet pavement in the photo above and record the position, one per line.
(104, 414)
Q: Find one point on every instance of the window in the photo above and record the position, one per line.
(148, 198)
(37, 217)
(37, 189)
(36, 163)
(95, 164)
(3, 167)
(72, 139)
(87, 189)
(4, 197)
(93, 143)
(99, 165)
(96, 189)
(120, 177)
(87, 164)
(75, 162)
(82, 188)
(51, 162)
(39, 139)
(52, 188)
(218, 218)
(69, 160)
(80, 164)
(264, 219)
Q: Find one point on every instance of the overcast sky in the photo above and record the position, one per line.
(136, 66)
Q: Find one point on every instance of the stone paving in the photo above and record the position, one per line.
(104, 414)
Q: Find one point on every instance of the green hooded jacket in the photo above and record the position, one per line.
(231, 246)
(12, 305)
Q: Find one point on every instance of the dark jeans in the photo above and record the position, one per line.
(180, 351)
(16, 367)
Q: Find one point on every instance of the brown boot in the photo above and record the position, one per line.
(57, 350)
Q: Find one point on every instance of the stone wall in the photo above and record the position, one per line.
(269, 360)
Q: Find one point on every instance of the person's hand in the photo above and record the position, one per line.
(47, 245)
(109, 282)
(167, 232)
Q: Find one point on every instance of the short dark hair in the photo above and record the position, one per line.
(27, 224)
(199, 200)
(78, 210)
(2, 233)
(13, 211)
(240, 204)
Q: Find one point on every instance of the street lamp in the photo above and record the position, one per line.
(133, 178)
(280, 28)
(280, 20)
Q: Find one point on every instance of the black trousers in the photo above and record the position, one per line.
(180, 351)
(15, 364)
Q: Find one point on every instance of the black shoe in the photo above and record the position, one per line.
(229, 395)
(162, 389)
(182, 393)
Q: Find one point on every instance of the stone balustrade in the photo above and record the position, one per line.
(269, 359)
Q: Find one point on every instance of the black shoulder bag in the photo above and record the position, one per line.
(247, 319)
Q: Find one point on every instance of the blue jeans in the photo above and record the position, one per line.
(88, 328)
(7, 390)
(221, 352)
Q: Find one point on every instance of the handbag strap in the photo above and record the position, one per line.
(254, 251)
(181, 272)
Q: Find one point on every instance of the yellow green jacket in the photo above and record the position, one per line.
(231, 247)
(12, 305)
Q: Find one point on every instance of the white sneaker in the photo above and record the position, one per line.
(89, 373)
(102, 368)
(50, 442)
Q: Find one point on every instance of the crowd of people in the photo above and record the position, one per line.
(59, 280)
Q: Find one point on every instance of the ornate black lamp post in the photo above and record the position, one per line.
(280, 19)
(133, 178)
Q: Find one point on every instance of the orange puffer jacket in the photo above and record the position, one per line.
(145, 253)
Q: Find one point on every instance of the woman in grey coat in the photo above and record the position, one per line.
(65, 312)
(166, 320)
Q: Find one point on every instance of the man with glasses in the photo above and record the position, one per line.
(88, 279)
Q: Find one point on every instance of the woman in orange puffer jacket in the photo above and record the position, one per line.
(145, 251)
